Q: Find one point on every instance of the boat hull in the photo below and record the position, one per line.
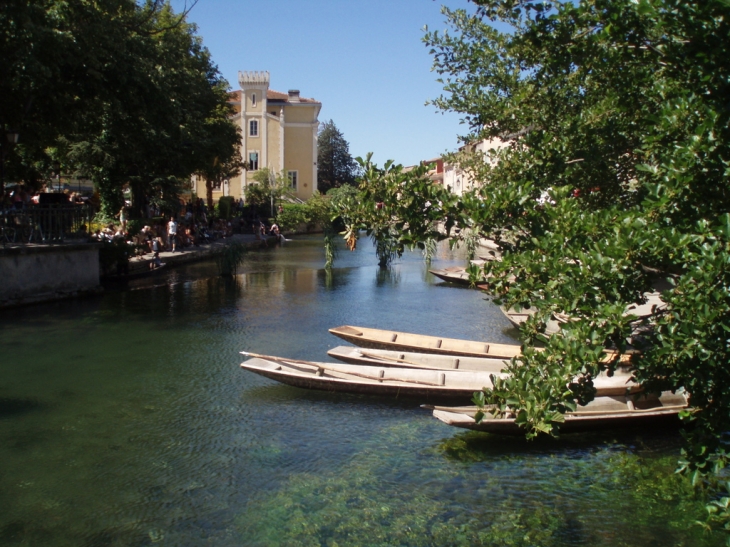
(620, 383)
(380, 381)
(656, 412)
(458, 276)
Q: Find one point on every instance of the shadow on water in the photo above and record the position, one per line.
(276, 393)
(475, 446)
(334, 278)
(18, 407)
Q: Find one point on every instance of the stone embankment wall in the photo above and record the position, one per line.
(36, 274)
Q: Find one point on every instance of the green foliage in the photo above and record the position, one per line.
(114, 255)
(135, 225)
(335, 166)
(429, 249)
(613, 181)
(315, 214)
(293, 216)
(396, 208)
(268, 189)
(226, 205)
(230, 258)
(363, 505)
(330, 251)
(627, 136)
(118, 91)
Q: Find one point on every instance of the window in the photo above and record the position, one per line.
(253, 128)
(253, 161)
(293, 176)
(253, 99)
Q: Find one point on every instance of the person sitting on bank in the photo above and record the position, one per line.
(156, 246)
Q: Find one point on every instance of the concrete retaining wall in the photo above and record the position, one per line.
(41, 273)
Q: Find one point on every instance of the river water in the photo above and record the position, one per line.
(125, 420)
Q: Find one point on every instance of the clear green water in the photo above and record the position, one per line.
(126, 421)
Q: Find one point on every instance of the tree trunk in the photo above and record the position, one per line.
(209, 193)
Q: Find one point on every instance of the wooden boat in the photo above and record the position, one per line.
(426, 385)
(409, 359)
(618, 384)
(601, 413)
(457, 274)
(518, 317)
(403, 341)
(452, 274)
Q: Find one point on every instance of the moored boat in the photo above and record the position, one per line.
(403, 341)
(393, 380)
(453, 274)
(601, 413)
(411, 359)
(619, 383)
(426, 385)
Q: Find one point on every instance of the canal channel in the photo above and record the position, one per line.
(125, 420)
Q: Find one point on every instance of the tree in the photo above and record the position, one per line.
(267, 190)
(221, 153)
(335, 165)
(396, 208)
(617, 110)
(122, 92)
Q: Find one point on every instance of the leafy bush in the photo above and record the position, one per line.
(226, 205)
(293, 216)
(135, 225)
(114, 255)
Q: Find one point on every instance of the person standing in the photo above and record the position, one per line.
(172, 232)
(123, 218)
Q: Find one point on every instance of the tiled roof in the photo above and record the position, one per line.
(271, 95)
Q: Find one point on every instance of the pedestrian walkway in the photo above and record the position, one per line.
(140, 264)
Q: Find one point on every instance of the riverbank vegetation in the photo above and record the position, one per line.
(118, 92)
(614, 178)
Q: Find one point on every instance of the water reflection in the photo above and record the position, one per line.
(388, 277)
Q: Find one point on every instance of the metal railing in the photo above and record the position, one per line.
(46, 224)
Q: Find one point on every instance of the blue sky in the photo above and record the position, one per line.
(363, 60)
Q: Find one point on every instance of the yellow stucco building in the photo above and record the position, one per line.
(278, 131)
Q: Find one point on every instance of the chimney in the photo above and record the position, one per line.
(293, 95)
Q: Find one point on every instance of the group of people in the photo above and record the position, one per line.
(191, 227)
(19, 197)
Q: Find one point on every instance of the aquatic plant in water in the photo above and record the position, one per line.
(429, 249)
(230, 258)
(577, 492)
(330, 251)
